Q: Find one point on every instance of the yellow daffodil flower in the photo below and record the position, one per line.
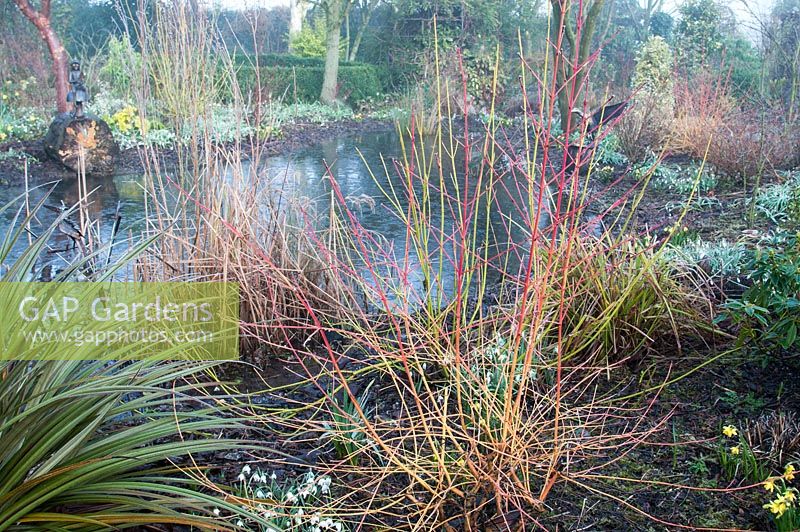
(790, 496)
(735, 450)
(769, 485)
(788, 473)
(730, 431)
(777, 507)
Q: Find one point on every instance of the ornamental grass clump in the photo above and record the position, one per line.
(740, 140)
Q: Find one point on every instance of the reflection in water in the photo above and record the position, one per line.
(303, 174)
(107, 195)
(369, 167)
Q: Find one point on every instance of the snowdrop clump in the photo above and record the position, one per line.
(297, 505)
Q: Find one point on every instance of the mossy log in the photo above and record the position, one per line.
(69, 139)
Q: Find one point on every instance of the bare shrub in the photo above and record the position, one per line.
(644, 129)
(741, 140)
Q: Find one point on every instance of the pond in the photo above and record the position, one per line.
(365, 165)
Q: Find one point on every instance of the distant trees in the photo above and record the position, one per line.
(255, 30)
(41, 19)
(297, 14)
(640, 13)
(661, 25)
(781, 36)
(698, 33)
(627, 24)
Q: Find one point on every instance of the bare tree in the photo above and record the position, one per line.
(42, 21)
(573, 29)
(641, 12)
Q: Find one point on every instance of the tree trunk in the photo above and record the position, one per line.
(347, 37)
(576, 49)
(41, 19)
(366, 15)
(560, 33)
(333, 27)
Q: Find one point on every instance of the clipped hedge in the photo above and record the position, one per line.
(357, 82)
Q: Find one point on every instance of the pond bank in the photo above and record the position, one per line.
(42, 169)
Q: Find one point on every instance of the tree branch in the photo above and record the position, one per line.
(31, 14)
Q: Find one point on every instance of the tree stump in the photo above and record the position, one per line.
(69, 139)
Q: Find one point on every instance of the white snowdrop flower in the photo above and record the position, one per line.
(315, 518)
(338, 526)
(270, 529)
(273, 476)
(269, 514)
(241, 477)
(216, 511)
(317, 529)
(326, 523)
(324, 484)
(298, 517)
(259, 494)
(304, 492)
(239, 523)
(216, 388)
(269, 495)
(290, 497)
(246, 470)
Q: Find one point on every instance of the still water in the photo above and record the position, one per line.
(365, 166)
